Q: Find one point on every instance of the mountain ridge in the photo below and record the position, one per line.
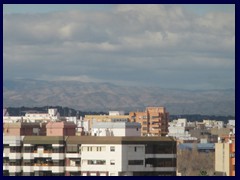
(107, 96)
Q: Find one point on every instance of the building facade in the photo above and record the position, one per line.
(89, 156)
(62, 128)
(51, 115)
(116, 129)
(24, 129)
(225, 155)
(154, 121)
(113, 116)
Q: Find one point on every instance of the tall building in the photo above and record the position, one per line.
(225, 155)
(154, 121)
(88, 156)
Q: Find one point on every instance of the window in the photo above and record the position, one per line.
(161, 148)
(135, 162)
(61, 150)
(135, 149)
(15, 149)
(112, 162)
(28, 162)
(232, 155)
(89, 148)
(144, 122)
(15, 162)
(96, 162)
(78, 163)
(112, 148)
(160, 162)
(58, 163)
(71, 148)
(84, 174)
(28, 149)
(144, 128)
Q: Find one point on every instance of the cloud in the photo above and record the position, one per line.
(138, 44)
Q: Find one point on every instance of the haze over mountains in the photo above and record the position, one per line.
(106, 96)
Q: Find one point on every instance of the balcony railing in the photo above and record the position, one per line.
(43, 164)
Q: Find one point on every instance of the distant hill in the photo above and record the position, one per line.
(106, 96)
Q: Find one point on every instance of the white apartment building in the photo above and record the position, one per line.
(92, 156)
(116, 129)
(177, 128)
(125, 156)
(116, 113)
(231, 124)
(52, 115)
(213, 124)
(12, 155)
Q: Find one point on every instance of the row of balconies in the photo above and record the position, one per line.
(38, 167)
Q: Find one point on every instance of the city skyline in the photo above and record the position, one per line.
(171, 46)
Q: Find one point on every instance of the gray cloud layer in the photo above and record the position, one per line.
(160, 45)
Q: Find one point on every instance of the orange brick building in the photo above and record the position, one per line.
(154, 121)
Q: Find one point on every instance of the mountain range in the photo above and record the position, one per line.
(105, 96)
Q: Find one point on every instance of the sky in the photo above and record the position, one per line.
(170, 46)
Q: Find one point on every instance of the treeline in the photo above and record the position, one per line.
(66, 111)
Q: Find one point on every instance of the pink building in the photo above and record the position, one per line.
(61, 129)
(24, 129)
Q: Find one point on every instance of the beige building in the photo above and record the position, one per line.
(225, 156)
(154, 121)
(114, 116)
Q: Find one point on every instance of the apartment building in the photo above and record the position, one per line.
(116, 129)
(39, 129)
(43, 156)
(51, 115)
(89, 156)
(62, 128)
(113, 116)
(24, 129)
(12, 155)
(225, 155)
(154, 121)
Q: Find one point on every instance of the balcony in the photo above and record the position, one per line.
(15, 156)
(39, 167)
(58, 156)
(42, 164)
(73, 155)
(14, 169)
(156, 125)
(73, 168)
(6, 166)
